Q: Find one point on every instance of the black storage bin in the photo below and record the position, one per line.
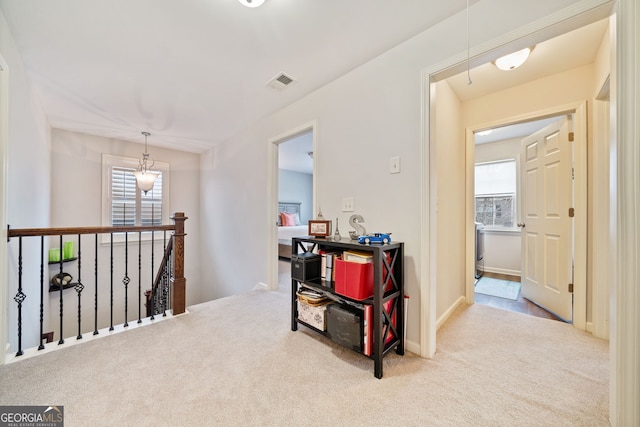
(305, 267)
(345, 326)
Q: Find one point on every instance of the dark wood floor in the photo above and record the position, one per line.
(522, 305)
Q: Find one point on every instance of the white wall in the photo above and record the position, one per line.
(563, 88)
(27, 197)
(502, 252)
(450, 164)
(76, 190)
(297, 187)
(363, 118)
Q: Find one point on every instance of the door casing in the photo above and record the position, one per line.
(272, 192)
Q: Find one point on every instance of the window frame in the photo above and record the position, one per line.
(515, 196)
(109, 161)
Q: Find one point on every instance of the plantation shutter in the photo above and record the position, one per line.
(151, 209)
(124, 194)
(123, 197)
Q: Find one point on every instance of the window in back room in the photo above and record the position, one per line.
(124, 204)
(495, 193)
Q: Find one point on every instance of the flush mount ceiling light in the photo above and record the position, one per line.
(145, 175)
(251, 3)
(513, 60)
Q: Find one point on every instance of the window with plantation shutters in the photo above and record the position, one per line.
(126, 205)
(129, 205)
(123, 197)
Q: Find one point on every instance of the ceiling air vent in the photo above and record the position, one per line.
(280, 81)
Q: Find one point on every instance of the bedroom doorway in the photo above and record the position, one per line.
(293, 198)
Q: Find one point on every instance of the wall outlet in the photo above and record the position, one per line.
(347, 204)
(394, 165)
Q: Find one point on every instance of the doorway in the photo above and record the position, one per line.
(568, 281)
(444, 112)
(501, 171)
(292, 194)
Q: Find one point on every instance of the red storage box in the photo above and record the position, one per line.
(353, 279)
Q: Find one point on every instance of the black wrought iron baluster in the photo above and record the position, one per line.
(79, 287)
(20, 297)
(111, 288)
(139, 276)
(41, 346)
(171, 271)
(61, 285)
(165, 293)
(126, 279)
(95, 307)
(164, 290)
(153, 290)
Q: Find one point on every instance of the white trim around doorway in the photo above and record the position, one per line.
(272, 192)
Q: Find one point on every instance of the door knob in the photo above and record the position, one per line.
(521, 224)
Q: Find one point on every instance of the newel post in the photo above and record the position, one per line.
(178, 294)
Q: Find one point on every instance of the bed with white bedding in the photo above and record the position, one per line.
(287, 232)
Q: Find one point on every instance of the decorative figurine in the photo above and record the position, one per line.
(319, 214)
(336, 235)
(360, 230)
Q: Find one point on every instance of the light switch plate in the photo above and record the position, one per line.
(347, 204)
(394, 165)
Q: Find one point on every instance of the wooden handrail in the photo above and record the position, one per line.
(25, 232)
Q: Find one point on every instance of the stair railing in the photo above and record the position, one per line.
(168, 290)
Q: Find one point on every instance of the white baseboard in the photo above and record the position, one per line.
(590, 327)
(441, 321)
(412, 347)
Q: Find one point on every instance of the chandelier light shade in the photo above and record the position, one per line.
(513, 60)
(251, 3)
(145, 175)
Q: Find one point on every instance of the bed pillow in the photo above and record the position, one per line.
(287, 219)
(297, 218)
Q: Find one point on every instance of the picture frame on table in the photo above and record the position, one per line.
(319, 228)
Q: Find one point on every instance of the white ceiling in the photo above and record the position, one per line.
(573, 49)
(193, 72)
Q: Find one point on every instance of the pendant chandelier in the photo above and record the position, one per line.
(145, 175)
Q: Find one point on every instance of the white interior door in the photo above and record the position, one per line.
(546, 177)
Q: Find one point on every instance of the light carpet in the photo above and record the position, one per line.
(235, 361)
(498, 288)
